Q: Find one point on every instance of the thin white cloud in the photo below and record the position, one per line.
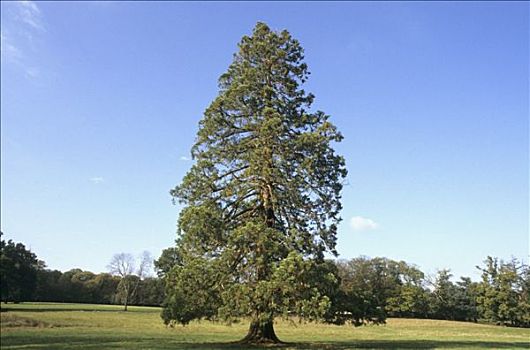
(184, 158)
(21, 31)
(359, 223)
(32, 73)
(29, 5)
(10, 53)
(97, 180)
(29, 13)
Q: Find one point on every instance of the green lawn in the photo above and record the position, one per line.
(81, 326)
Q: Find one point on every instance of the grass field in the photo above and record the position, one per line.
(80, 326)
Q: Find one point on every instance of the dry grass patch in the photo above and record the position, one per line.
(14, 321)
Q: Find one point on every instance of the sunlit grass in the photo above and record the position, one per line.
(82, 326)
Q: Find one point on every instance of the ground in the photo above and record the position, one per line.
(82, 326)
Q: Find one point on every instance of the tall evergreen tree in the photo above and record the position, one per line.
(262, 200)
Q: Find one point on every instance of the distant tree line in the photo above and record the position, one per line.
(366, 290)
(78, 286)
(25, 278)
(370, 290)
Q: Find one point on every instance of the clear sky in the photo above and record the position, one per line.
(100, 104)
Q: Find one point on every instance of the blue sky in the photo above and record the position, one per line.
(100, 104)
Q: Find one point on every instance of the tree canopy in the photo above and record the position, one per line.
(262, 199)
(18, 271)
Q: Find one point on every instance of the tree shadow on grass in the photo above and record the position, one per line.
(125, 342)
(366, 344)
(412, 344)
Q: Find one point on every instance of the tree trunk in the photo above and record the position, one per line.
(261, 333)
(126, 301)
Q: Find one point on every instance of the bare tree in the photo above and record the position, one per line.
(124, 266)
(146, 265)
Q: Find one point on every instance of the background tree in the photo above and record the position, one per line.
(71, 291)
(18, 271)
(48, 287)
(84, 286)
(123, 265)
(371, 288)
(150, 292)
(524, 296)
(444, 301)
(366, 285)
(262, 199)
(411, 298)
(503, 295)
(104, 286)
(467, 299)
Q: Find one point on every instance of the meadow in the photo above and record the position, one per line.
(85, 326)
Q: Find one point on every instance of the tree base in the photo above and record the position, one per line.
(261, 333)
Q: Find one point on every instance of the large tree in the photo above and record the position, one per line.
(262, 200)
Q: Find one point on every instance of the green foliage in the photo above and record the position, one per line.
(293, 289)
(411, 301)
(150, 292)
(444, 295)
(103, 288)
(48, 287)
(373, 288)
(76, 286)
(451, 301)
(503, 295)
(467, 299)
(169, 258)
(189, 292)
(18, 271)
(262, 199)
